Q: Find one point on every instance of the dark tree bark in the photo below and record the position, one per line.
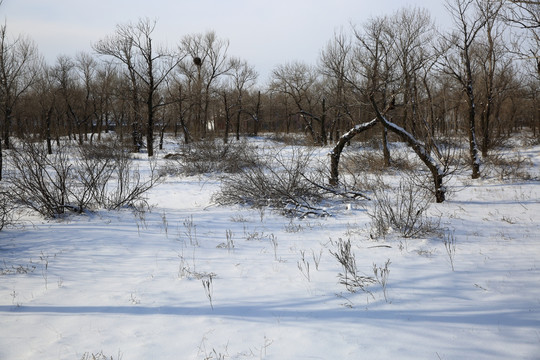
(338, 149)
(420, 150)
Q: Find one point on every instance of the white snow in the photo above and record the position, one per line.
(130, 285)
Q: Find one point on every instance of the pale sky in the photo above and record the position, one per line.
(266, 33)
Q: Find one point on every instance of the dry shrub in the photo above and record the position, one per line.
(75, 178)
(351, 276)
(403, 209)
(289, 139)
(362, 160)
(212, 156)
(278, 181)
(508, 167)
(99, 356)
(6, 209)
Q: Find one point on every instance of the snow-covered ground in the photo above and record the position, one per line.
(191, 280)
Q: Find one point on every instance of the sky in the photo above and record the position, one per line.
(265, 33)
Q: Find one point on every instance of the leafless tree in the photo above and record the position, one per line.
(333, 65)
(86, 67)
(412, 30)
(104, 97)
(66, 86)
(526, 15)
(178, 91)
(19, 63)
(301, 83)
(374, 67)
(457, 61)
(491, 52)
(147, 68)
(243, 77)
(373, 76)
(205, 63)
(46, 97)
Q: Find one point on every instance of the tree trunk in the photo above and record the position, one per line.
(324, 138)
(420, 151)
(337, 150)
(7, 128)
(386, 151)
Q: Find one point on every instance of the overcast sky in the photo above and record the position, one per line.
(263, 32)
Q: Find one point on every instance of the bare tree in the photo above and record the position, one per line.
(412, 30)
(372, 76)
(526, 15)
(373, 68)
(457, 61)
(178, 90)
(300, 82)
(19, 63)
(104, 97)
(46, 97)
(206, 61)
(333, 65)
(147, 68)
(86, 67)
(491, 52)
(66, 85)
(243, 77)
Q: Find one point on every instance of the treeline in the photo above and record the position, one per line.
(479, 80)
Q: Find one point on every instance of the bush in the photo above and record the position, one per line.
(38, 181)
(213, 156)
(278, 181)
(350, 277)
(74, 178)
(508, 168)
(6, 209)
(402, 209)
(99, 356)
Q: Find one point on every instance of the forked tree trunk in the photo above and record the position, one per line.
(436, 172)
(338, 149)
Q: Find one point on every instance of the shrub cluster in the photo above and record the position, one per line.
(213, 156)
(403, 209)
(278, 181)
(75, 178)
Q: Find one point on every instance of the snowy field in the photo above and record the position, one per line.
(191, 280)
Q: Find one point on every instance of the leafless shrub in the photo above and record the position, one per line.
(278, 182)
(532, 141)
(128, 186)
(402, 209)
(38, 181)
(381, 275)
(350, 277)
(213, 156)
(508, 167)
(229, 243)
(7, 208)
(449, 242)
(190, 231)
(208, 288)
(99, 356)
(18, 269)
(369, 159)
(289, 139)
(362, 161)
(316, 258)
(303, 265)
(74, 178)
(274, 242)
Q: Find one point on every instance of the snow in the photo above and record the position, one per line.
(131, 285)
